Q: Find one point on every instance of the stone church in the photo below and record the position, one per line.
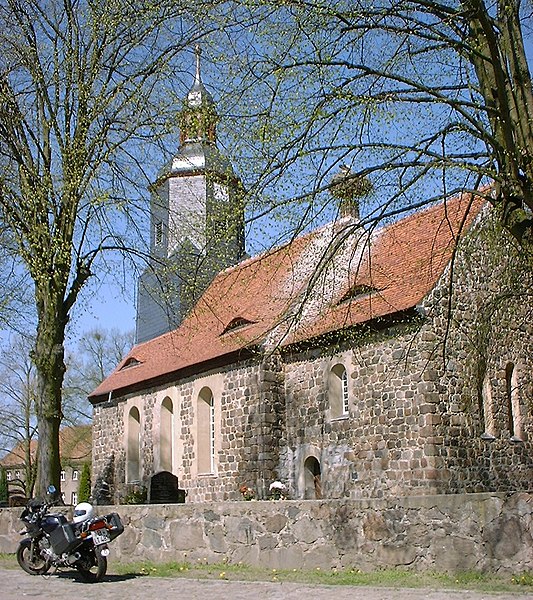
(350, 363)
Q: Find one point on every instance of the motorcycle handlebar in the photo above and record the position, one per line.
(35, 508)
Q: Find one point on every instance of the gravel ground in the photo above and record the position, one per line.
(15, 584)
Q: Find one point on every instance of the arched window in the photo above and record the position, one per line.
(206, 431)
(488, 410)
(134, 445)
(313, 484)
(514, 415)
(166, 436)
(339, 401)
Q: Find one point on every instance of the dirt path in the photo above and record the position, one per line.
(16, 585)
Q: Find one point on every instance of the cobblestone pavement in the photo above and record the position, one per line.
(15, 585)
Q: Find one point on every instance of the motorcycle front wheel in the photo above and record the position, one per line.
(30, 561)
(92, 566)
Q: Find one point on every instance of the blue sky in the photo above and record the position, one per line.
(108, 308)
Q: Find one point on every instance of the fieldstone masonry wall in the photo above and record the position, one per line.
(480, 532)
(384, 446)
(430, 408)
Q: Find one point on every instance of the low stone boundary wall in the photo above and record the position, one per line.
(481, 532)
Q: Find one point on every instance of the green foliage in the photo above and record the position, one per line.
(67, 168)
(84, 489)
(525, 579)
(397, 578)
(326, 84)
(137, 496)
(4, 492)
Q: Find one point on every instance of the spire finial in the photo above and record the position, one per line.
(198, 52)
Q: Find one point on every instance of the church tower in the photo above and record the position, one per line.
(196, 220)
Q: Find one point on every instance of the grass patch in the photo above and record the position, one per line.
(8, 561)
(397, 578)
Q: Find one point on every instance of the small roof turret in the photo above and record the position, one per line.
(198, 118)
(198, 94)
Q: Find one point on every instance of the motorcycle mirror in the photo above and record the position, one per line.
(51, 489)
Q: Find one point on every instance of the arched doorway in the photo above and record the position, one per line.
(313, 485)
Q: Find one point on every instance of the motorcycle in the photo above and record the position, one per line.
(52, 541)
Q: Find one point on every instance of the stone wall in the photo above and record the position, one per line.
(429, 402)
(384, 445)
(483, 425)
(480, 532)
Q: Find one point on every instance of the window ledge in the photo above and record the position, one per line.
(341, 418)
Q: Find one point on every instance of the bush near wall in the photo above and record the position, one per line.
(84, 489)
(4, 490)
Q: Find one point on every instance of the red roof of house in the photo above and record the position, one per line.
(335, 277)
(75, 445)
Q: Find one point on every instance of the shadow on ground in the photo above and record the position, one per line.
(110, 578)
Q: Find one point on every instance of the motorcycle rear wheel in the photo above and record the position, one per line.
(29, 562)
(92, 566)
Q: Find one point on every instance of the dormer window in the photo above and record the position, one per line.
(358, 291)
(237, 323)
(130, 362)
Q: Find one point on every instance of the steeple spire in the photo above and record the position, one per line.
(196, 219)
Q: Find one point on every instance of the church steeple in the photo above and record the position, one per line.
(197, 219)
(198, 118)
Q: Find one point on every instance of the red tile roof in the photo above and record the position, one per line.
(402, 263)
(75, 445)
(284, 300)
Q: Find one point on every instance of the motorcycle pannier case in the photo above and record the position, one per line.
(117, 527)
(64, 539)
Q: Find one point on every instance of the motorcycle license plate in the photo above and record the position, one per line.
(100, 536)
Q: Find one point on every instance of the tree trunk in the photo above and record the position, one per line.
(505, 83)
(48, 356)
(48, 461)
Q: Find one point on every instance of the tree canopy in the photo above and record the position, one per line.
(85, 88)
(93, 359)
(424, 98)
